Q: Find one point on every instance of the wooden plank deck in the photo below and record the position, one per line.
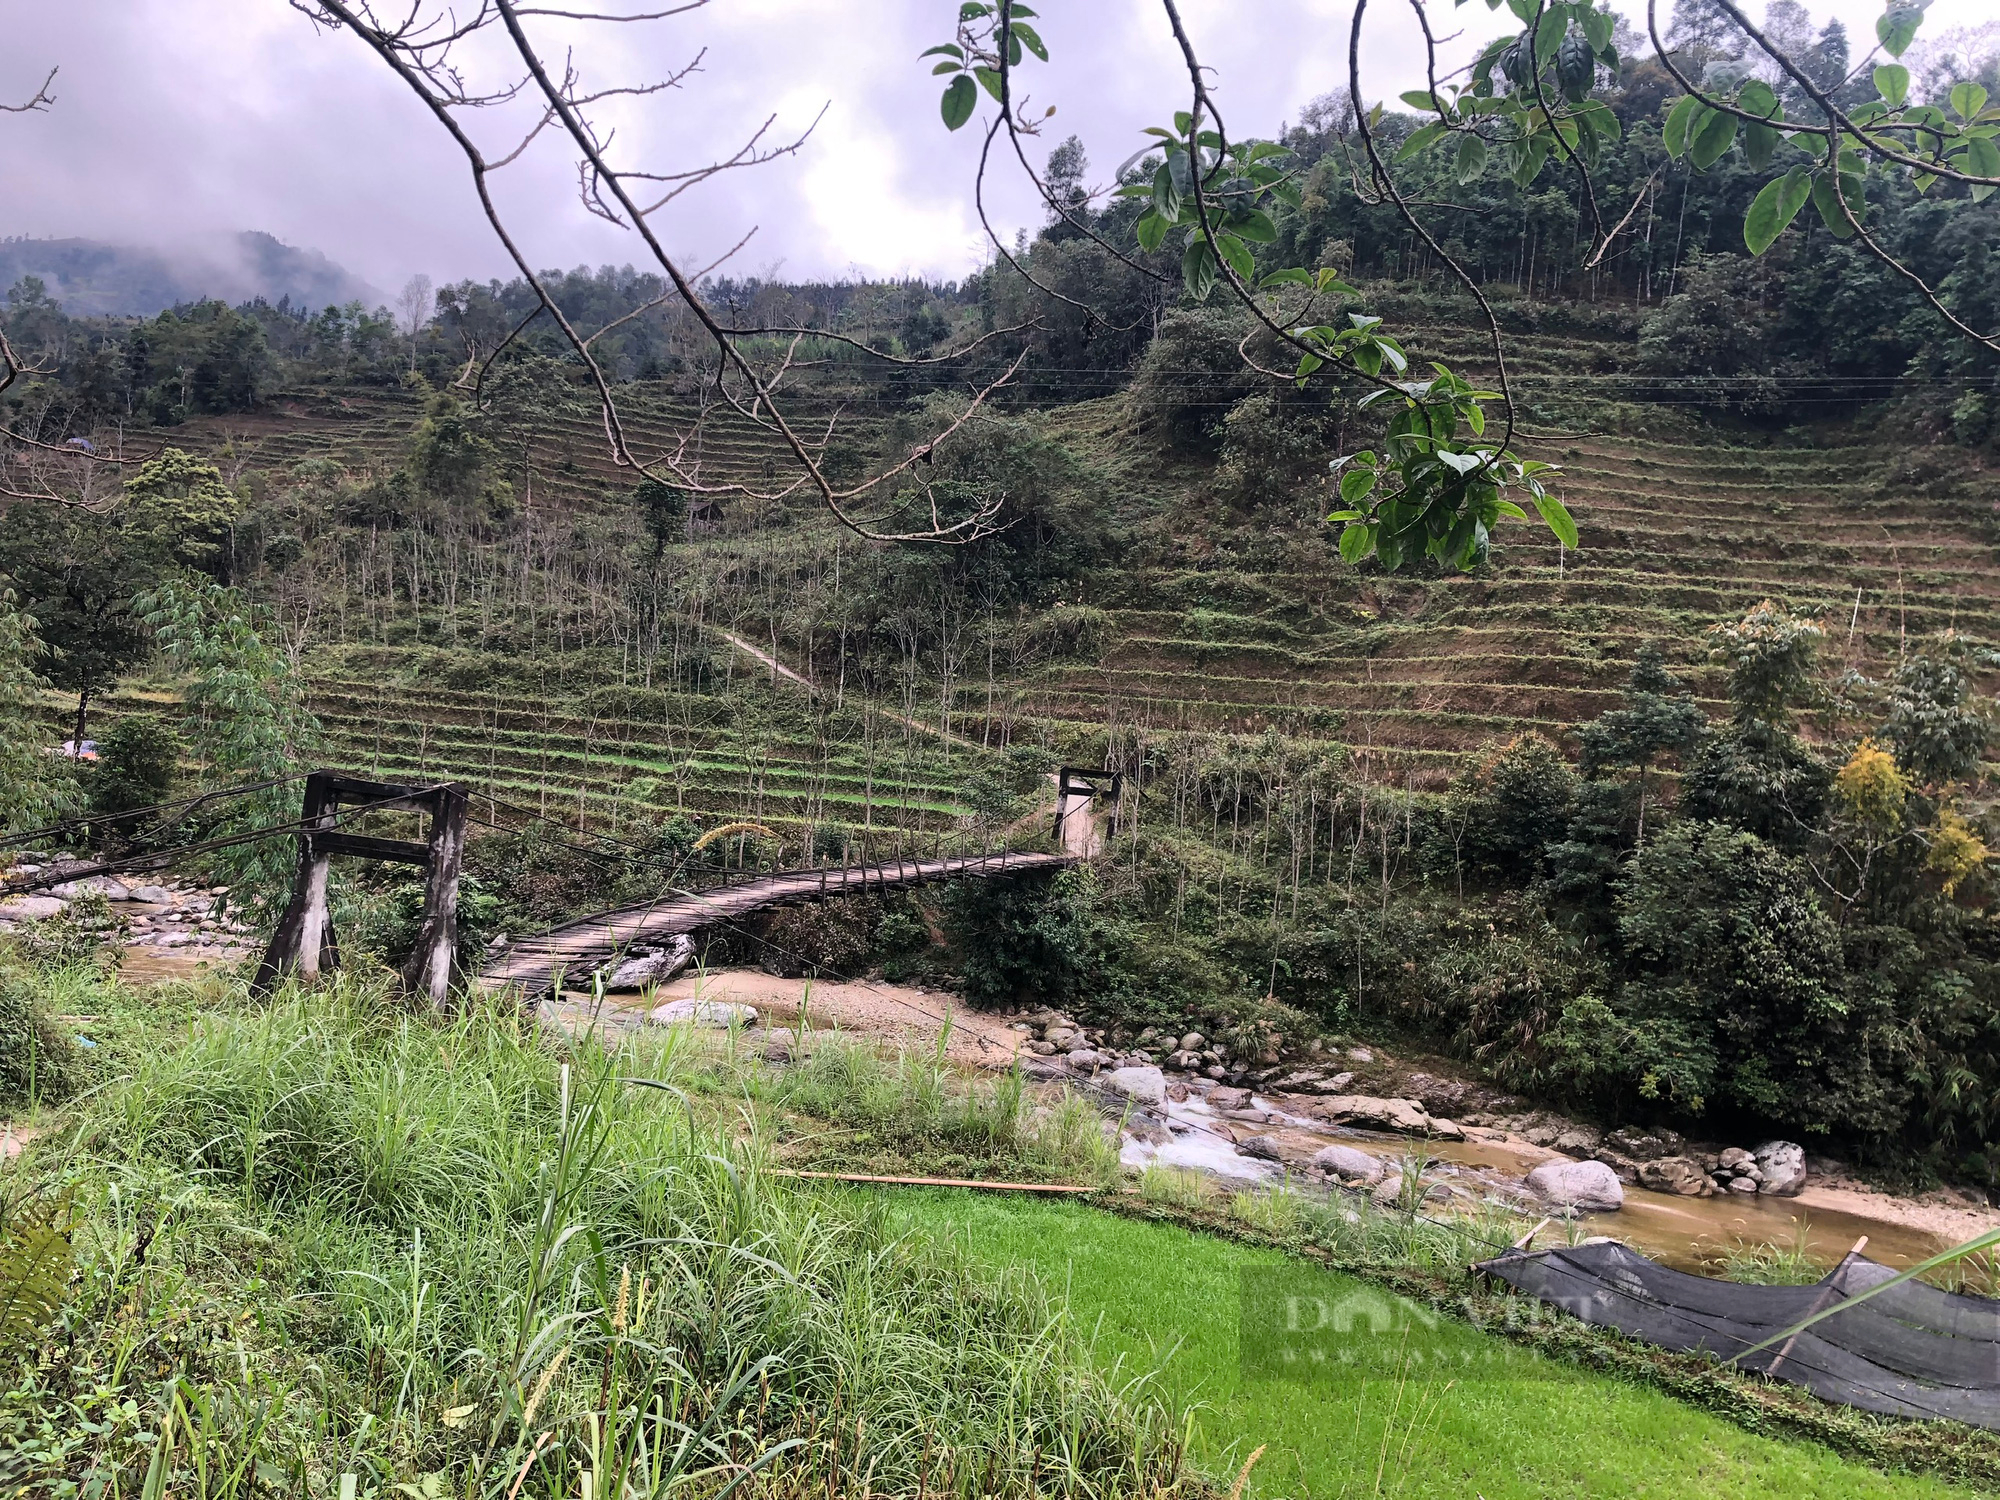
(549, 959)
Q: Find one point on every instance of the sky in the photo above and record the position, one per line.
(176, 120)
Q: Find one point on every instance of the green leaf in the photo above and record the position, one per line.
(972, 10)
(1509, 509)
(1421, 99)
(1388, 552)
(1254, 224)
(1354, 544)
(1715, 135)
(1982, 159)
(1419, 139)
(1829, 208)
(1549, 33)
(1459, 463)
(1328, 282)
(1198, 269)
(1897, 27)
(1166, 194)
(1597, 27)
(1775, 207)
(1151, 231)
(989, 79)
(1532, 155)
(956, 106)
(1237, 254)
(1030, 40)
(1290, 276)
(1557, 518)
(947, 49)
(1471, 158)
(1892, 82)
(1680, 120)
(1967, 99)
(1760, 144)
(1756, 97)
(1356, 484)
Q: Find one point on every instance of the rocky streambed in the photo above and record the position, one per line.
(1353, 1120)
(164, 928)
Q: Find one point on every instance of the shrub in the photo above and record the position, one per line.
(136, 763)
(39, 1061)
(1023, 940)
(1735, 998)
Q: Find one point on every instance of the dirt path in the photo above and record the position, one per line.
(893, 1014)
(771, 664)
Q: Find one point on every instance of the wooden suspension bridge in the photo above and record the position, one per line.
(550, 959)
(304, 943)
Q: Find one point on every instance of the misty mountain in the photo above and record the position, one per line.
(91, 277)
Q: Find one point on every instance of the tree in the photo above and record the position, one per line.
(1735, 996)
(415, 305)
(1938, 729)
(1756, 773)
(450, 457)
(1658, 716)
(1516, 799)
(248, 721)
(35, 787)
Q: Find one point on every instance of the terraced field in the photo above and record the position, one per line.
(1884, 546)
(1885, 541)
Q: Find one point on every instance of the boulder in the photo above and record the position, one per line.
(1675, 1174)
(30, 908)
(1782, 1165)
(1734, 1157)
(1084, 1060)
(1576, 1142)
(103, 885)
(720, 1014)
(779, 1043)
(1643, 1145)
(1225, 1099)
(651, 966)
(1059, 1035)
(1262, 1147)
(1349, 1165)
(1145, 1085)
(158, 895)
(1360, 1055)
(1364, 1112)
(1338, 1082)
(1742, 1185)
(1587, 1186)
(1194, 1041)
(1185, 1061)
(1388, 1193)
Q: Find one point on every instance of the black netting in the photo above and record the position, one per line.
(1911, 1351)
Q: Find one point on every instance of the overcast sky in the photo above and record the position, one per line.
(182, 118)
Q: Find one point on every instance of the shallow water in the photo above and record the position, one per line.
(1689, 1233)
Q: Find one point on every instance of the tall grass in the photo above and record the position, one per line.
(328, 1238)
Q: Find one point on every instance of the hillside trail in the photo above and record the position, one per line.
(778, 669)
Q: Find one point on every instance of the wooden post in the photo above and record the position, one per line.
(430, 965)
(304, 937)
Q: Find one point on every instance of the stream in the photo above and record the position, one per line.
(1686, 1233)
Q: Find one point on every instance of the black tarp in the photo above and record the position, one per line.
(1909, 1351)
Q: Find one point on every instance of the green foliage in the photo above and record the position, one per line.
(35, 1256)
(1735, 999)
(137, 761)
(597, 1227)
(1770, 655)
(247, 721)
(1938, 729)
(1513, 799)
(40, 1062)
(450, 455)
(35, 787)
(181, 512)
(1028, 940)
